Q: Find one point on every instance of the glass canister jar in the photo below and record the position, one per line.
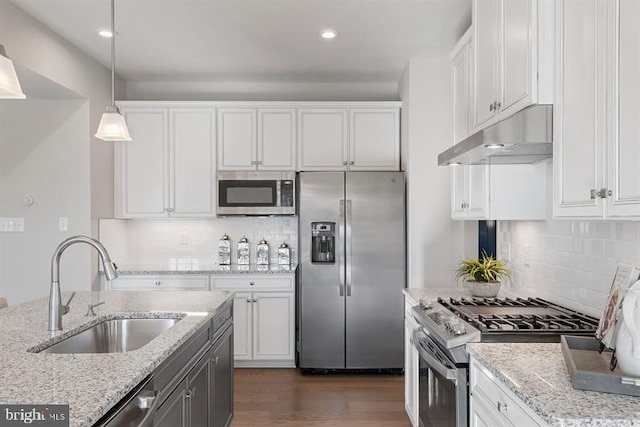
(284, 254)
(224, 250)
(243, 251)
(262, 253)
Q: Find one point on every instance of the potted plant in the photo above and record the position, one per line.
(482, 276)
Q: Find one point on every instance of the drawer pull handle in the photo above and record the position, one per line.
(502, 407)
(157, 283)
(215, 361)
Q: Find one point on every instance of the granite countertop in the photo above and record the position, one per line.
(183, 269)
(537, 374)
(433, 293)
(91, 383)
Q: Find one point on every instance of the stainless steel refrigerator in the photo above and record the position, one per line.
(352, 270)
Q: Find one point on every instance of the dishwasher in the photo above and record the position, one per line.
(137, 409)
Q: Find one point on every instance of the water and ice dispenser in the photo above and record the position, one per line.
(323, 242)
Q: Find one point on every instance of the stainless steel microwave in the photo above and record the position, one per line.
(256, 193)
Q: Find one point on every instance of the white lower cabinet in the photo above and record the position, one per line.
(264, 319)
(411, 365)
(164, 282)
(492, 404)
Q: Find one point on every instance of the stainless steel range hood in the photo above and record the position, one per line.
(523, 138)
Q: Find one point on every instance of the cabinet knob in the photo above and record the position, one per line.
(171, 209)
(249, 300)
(352, 162)
(502, 407)
(344, 163)
(255, 300)
(498, 105)
(157, 282)
(251, 283)
(215, 361)
(492, 106)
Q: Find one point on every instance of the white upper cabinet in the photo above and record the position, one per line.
(374, 141)
(596, 113)
(252, 138)
(169, 167)
(322, 139)
(513, 57)
(349, 139)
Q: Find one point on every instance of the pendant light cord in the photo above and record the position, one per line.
(113, 54)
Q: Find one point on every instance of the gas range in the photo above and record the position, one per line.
(453, 322)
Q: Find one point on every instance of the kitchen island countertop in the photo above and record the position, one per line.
(537, 374)
(91, 383)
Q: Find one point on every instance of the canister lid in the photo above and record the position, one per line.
(284, 245)
(243, 240)
(263, 242)
(225, 237)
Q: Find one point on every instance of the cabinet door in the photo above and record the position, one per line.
(578, 129)
(411, 363)
(192, 163)
(198, 393)
(459, 187)
(236, 138)
(461, 79)
(242, 303)
(480, 416)
(276, 139)
(485, 25)
(322, 139)
(478, 191)
(222, 380)
(517, 52)
(273, 325)
(374, 143)
(623, 109)
(173, 411)
(142, 186)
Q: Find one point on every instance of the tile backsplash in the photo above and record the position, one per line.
(185, 243)
(570, 262)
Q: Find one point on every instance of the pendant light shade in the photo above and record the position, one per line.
(9, 84)
(113, 126)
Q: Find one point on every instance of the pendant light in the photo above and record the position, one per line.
(9, 84)
(112, 126)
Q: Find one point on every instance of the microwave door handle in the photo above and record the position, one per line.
(340, 248)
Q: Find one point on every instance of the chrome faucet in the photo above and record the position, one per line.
(55, 300)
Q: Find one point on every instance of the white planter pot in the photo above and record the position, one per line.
(482, 289)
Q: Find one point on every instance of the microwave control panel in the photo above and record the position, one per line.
(286, 193)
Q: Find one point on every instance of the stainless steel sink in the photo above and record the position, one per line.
(113, 336)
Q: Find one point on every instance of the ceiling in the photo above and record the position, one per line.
(275, 41)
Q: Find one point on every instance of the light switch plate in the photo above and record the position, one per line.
(11, 225)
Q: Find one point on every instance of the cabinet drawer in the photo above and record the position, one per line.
(183, 282)
(501, 402)
(253, 282)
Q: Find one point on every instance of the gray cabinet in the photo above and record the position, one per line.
(222, 380)
(195, 384)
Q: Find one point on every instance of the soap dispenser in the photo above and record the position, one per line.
(284, 254)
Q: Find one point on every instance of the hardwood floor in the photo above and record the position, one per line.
(284, 397)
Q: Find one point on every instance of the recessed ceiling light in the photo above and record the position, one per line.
(454, 163)
(105, 33)
(328, 33)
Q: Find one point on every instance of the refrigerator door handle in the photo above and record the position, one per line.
(348, 250)
(341, 265)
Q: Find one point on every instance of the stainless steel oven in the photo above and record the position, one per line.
(256, 193)
(442, 385)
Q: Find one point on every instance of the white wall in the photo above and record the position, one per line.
(435, 243)
(32, 45)
(191, 243)
(44, 155)
(570, 262)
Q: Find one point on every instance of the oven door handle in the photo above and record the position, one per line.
(434, 363)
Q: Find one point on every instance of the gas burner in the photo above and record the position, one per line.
(519, 316)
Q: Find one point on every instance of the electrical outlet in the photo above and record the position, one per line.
(11, 225)
(63, 223)
(184, 239)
